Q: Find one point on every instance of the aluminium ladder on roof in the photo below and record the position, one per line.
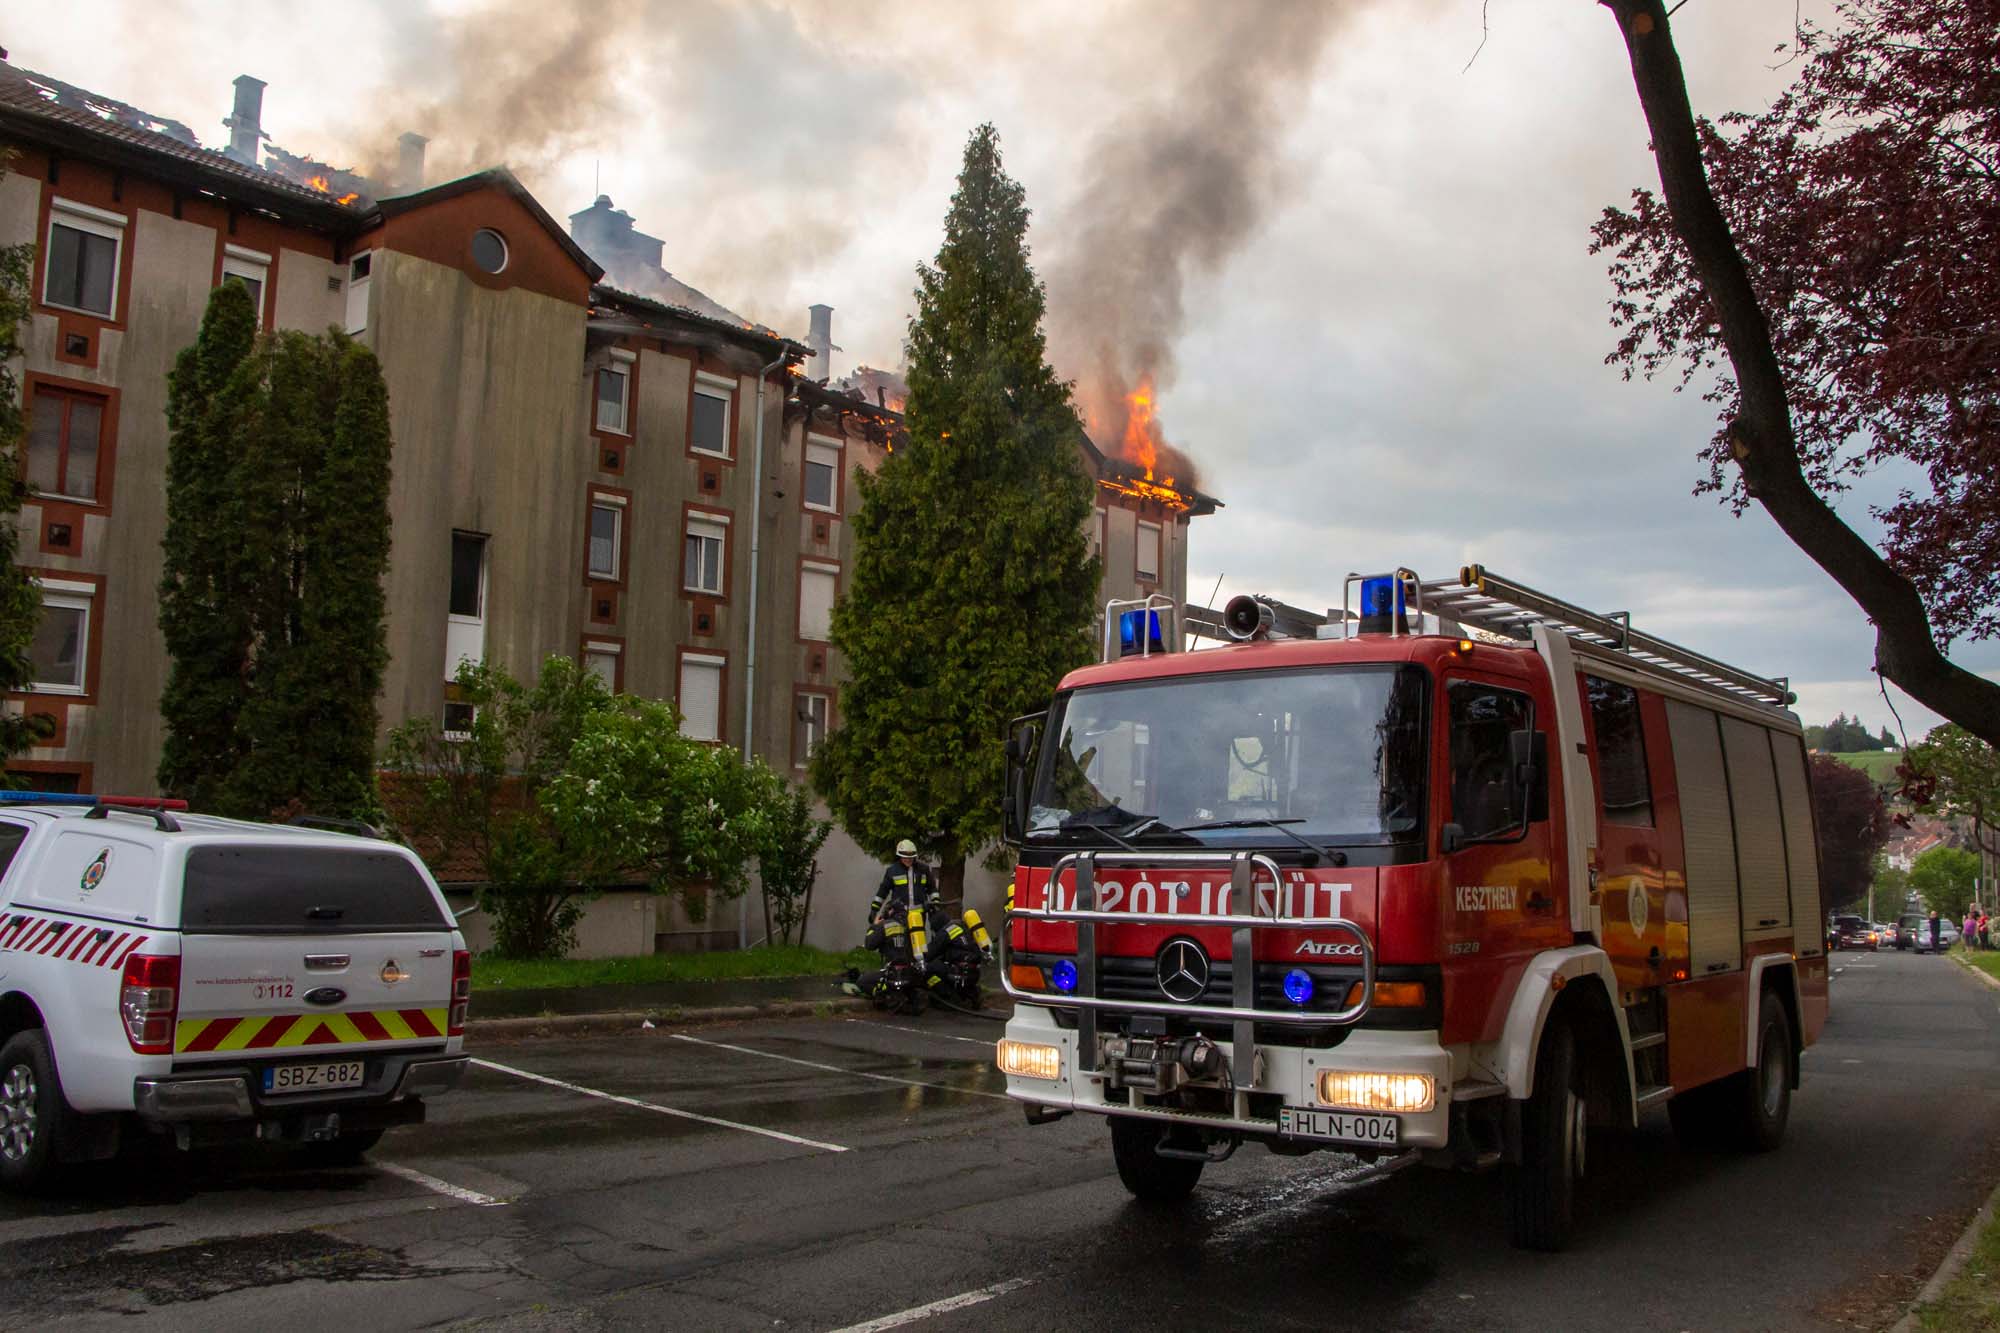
(1498, 605)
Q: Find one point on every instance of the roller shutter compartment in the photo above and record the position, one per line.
(1715, 940)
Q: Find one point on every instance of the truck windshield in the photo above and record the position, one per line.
(1336, 753)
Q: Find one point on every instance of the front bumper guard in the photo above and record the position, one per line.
(1242, 1012)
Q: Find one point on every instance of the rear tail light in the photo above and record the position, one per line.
(149, 1000)
(461, 990)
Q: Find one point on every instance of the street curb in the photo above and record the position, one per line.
(1955, 1259)
(1980, 973)
(624, 1020)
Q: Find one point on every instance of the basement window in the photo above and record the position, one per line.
(249, 270)
(83, 253)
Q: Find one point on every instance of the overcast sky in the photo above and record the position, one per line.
(1385, 340)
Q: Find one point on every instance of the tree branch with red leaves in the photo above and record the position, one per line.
(1865, 312)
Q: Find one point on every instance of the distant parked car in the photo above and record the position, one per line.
(1851, 932)
(1920, 936)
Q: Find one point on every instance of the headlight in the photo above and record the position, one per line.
(1401, 1093)
(1029, 1059)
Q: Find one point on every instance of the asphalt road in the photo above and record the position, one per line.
(825, 1173)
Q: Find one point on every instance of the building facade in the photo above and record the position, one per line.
(576, 467)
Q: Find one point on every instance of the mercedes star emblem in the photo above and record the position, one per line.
(1182, 970)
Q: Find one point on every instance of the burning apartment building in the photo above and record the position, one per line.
(577, 442)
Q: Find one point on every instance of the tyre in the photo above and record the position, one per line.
(1758, 1102)
(1542, 1186)
(1150, 1177)
(347, 1150)
(34, 1117)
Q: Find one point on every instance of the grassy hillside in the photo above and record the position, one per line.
(1879, 765)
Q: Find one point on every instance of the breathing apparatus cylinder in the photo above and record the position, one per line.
(919, 940)
(978, 928)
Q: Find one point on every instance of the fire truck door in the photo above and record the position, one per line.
(1501, 903)
(1631, 874)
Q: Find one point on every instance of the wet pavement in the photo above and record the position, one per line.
(656, 997)
(820, 1173)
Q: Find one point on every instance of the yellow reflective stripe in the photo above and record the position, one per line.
(440, 1018)
(302, 1027)
(186, 1031)
(343, 1027)
(393, 1021)
(245, 1029)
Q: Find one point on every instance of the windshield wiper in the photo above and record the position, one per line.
(1083, 820)
(1331, 855)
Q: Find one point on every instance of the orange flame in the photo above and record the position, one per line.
(348, 198)
(1142, 427)
(318, 183)
(1162, 494)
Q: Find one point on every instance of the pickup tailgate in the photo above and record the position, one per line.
(316, 950)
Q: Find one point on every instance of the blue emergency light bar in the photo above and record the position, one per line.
(1130, 629)
(85, 799)
(1382, 604)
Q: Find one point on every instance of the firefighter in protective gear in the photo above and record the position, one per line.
(906, 883)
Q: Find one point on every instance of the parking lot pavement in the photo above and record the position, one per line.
(836, 1173)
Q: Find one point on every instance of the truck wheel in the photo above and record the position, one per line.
(347, 1150)
(1541, 1188)
(1150, 1177)
(33, 1114)
(1759, 1101)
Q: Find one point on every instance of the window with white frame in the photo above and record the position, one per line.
(600, 659)
(808, 727)
(818, 585)
(1146, 560)
(83, 257)
(701, 697)
(60, 648)
(65, 441)
(822, 476)
(708, 426)
(359, 270)
(614, 393)
(707, 543)
(249, 269)
(465, 618)
(607, 533)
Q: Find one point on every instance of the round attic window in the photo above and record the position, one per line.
(489, 250)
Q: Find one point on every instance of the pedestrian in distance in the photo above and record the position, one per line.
(1985, 931)
(1937, 931)
(1965, 927)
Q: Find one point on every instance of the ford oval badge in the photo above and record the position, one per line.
(326, 995)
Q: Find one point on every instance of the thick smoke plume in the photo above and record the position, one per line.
(1170, 193)
(516, 82)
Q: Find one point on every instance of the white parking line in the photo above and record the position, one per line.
(836, 1069)
(958, 1302)
(660, 1110)
(444, 1187)
(922, 1032)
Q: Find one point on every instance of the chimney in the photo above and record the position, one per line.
(410, 161)
(246, 123)
(820, 339)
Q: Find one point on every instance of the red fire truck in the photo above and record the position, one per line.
(1451, 880)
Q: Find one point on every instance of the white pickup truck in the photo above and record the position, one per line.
(214, 980)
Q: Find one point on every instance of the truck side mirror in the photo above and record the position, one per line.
(1022, 735)
(1530, 753)
(1450, 838)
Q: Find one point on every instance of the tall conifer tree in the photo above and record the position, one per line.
(20, 603)
(277, 540)
(972, 581)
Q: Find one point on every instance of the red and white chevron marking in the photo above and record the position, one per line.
(68, 941)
